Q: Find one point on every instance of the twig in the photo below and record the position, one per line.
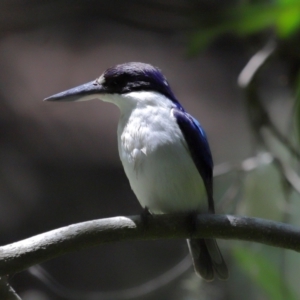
(23, 254)
(246, 80)
(129, 293)
(255, 63)
(290, 176)
(6, 291)
(248, 164)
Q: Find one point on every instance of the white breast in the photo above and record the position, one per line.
(157, 161)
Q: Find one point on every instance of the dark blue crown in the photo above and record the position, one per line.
(136, 76)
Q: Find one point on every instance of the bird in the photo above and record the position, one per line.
(164, 150)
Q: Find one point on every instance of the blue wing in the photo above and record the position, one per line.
(199, 148)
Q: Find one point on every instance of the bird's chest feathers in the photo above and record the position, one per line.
(145, 133)
(157, 161)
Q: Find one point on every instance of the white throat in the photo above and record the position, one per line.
(140, 99)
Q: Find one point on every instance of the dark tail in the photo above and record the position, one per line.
(207, 259)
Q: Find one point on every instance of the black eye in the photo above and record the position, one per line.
(116, 83)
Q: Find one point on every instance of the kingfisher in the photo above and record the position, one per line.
(163, 149)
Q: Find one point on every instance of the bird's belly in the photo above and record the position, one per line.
(166, 179)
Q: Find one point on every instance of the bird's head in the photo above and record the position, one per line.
(129, 82)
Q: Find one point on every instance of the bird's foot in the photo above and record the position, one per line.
(145, 215)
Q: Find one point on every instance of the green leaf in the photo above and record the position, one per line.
(264, 274)
(288, 20)
(254, 18)
(239, 20)
(287, 2)
(283, 15)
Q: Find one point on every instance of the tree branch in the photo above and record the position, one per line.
(21, 255)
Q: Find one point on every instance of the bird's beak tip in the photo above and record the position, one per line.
(50, 98)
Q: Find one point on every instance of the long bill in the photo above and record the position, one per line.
(82, 92)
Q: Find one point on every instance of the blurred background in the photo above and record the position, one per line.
(233, 64)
